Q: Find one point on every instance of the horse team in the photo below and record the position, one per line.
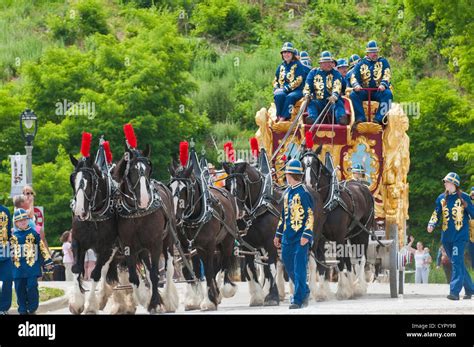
(131, 220)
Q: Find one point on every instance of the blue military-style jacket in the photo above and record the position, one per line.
(322, 84)
(5, 234)
(453, 216)
(297, 218)
(371, 74)
(290, 77)
(28, 253)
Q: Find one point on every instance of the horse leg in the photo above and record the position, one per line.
(155, 301)
(255, 289)
(76, 293)
(194, 293)
(280, 279)
(273, 298)
(229, 261)
(344, 289)
(170, 295)
(99, 274)
(210, 300)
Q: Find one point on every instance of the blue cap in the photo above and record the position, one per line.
(304, 56)
(326, 56)
(358, 168)
(453, 178)
(354, 59)
(342, 63)
(371, 47)
(288, 47)
(20, 214)
(294, 167)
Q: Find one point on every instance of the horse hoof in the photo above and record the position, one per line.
(76, 310)
(208, 306)
(271, 302)
(192, 307)
(256, 303)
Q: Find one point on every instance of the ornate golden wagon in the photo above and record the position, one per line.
(384, 153)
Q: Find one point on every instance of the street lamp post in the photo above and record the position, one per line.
(28, 129)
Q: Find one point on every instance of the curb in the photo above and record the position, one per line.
(53, 304)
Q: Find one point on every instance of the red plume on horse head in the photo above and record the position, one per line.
(254, 146)
(108, 152)
(183, 152)
(229, 151)
(309, 140)
(130, 135)
(86, 144)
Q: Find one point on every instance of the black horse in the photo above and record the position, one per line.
(257, 219)
(145, 222)
(94, 226)
(342, 221)
(210, 229)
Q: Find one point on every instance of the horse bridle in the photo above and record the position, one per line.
(247, 193)
(90, 200)
(189, 184)
(317, 175)
(131, 187)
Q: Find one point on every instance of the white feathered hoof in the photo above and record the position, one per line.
(76, 301)
(208, 305)
(104, 295)
(156, 310)
(344, 290)
(93, 305)
(194, 297)
(323, 292)
(256, 294)
(228, 290)
(280, 281)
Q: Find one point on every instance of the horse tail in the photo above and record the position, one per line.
(79, 282)
(112, 274)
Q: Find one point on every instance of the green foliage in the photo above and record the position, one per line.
(225, 20)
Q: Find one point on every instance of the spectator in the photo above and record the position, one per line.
(427, 260)
(421, 271)
(68, 257)
(443, 260)
(89, 263)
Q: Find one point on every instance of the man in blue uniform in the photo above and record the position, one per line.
(306, 61)
(288, 83)
(353, 60)
(342, 68)
(295, 232)
(453, 208)
(324, 84)
(358, 172)
(5, 261)
(28, 255)
(371, 72)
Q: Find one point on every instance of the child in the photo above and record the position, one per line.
(28, 254)
(68, 257)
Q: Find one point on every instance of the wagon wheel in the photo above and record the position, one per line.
(393, 267)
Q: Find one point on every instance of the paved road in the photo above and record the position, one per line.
(418, 299)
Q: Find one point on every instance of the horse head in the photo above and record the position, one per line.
(87, 183)
(183, 188)
(244, 182)
(133, 172)
(312, 166)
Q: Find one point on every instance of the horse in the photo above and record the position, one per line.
(145, 222)
(258, 217)
(344, 222)
(206, 227)
(93, 226)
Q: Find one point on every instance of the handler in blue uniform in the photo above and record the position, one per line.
(325, 85)
(453, 208)
(288, 83)
(342, 67)
(28, 255)
(6, 276)
(371, 72)
(295, 232)
(305, 59)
